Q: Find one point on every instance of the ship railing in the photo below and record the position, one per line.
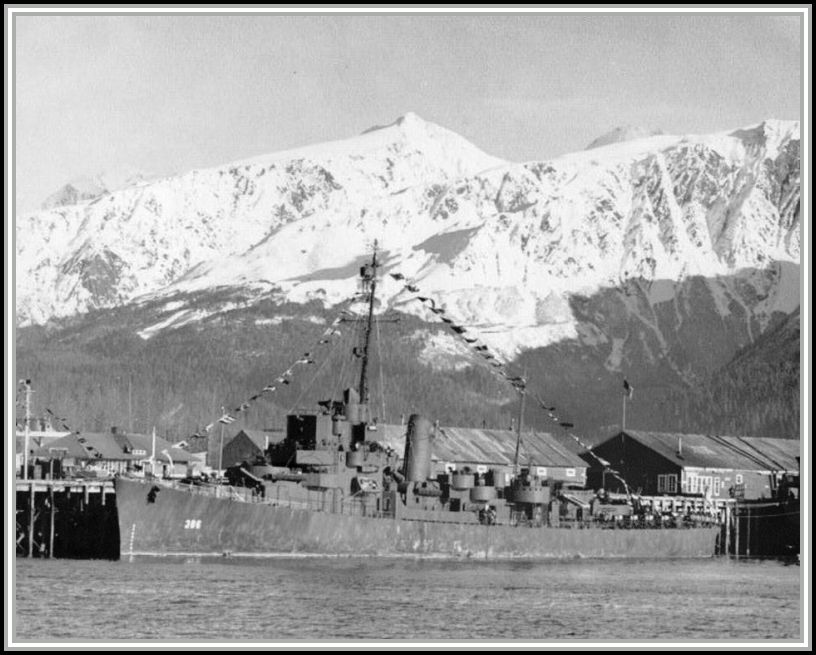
(357, 506)
(331, 504)
(239, 494)
(639, 523)
(329, 501)
(346, 507)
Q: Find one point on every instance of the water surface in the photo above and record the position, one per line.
(372, 598)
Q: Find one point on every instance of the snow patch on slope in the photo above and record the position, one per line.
(442, 351)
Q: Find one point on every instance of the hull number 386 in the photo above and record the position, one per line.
(192, 524)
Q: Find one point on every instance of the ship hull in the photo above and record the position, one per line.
(180, 523)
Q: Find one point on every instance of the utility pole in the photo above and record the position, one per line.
(623, 421)
(26, 429)
(221, 446)
(130, 402)
(153, 454)
(52, 509)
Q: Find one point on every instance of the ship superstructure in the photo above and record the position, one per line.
(330, 486)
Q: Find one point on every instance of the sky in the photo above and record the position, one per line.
(166, 94)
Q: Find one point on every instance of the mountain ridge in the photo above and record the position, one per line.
(672, 261)
(658, 257)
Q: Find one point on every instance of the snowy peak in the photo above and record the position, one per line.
(409, 136)
(409, 119)
(622, 134)
(83, 189)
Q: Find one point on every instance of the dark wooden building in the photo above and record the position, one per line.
(247, 445)
(708, 466)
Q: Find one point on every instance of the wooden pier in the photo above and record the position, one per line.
(66, 518)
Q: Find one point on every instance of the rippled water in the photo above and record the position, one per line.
(349, 599)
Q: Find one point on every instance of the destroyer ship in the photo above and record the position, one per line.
(330, 487)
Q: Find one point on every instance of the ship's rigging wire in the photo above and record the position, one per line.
(346, 341)
(326, 338)
(499, 368)
(756, 459)
(311, 382)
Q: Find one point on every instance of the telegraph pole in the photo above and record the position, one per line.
(27, 431)
(130, 402)
(623, 422)
(221, 446)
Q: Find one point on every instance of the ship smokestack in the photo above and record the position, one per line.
(417, 460)
(352, 403)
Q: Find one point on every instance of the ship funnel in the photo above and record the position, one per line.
(417, 461)
(352, 401)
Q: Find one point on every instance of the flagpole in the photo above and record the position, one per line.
(221, 446)
(27, 432)
(623, 422)
(153, 454)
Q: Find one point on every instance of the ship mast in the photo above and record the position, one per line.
(523, 395)
(369, 281)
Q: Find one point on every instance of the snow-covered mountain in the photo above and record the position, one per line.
(90, 187)
(505, 247)
(137, 240)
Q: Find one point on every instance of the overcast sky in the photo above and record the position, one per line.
(170, 93)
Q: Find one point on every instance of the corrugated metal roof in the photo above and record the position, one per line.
(712, 451)
(782, 453)
(472, 445)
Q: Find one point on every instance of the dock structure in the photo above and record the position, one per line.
(66, 518)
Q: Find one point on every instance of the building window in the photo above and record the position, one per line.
(667, 483)
(738, 478)
(694, 484)
(570, 473)
(717, 486)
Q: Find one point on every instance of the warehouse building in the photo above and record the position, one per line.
(708, 466)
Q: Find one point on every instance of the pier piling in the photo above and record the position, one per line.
(66, 518)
